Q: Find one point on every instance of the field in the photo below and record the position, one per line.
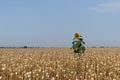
(59, 64)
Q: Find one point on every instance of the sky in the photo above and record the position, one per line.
(51, 23)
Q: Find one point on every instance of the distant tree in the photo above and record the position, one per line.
(102, 46)
(93, 47)
(25, 47)
(2, 47)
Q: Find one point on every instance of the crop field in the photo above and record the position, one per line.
(59, 64)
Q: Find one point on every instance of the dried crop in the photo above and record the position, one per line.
(59, 64)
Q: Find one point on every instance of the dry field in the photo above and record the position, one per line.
(59, 64)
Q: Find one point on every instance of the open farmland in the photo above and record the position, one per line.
(59, 64)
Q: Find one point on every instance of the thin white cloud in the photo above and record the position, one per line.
(107, 7)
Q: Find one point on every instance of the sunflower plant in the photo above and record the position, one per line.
(78, 43)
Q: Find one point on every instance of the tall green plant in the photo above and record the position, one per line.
(78, 44)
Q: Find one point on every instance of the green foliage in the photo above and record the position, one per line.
(78, 45)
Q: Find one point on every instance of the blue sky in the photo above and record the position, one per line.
(52, 22)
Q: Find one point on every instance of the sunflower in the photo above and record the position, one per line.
(76, 35)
